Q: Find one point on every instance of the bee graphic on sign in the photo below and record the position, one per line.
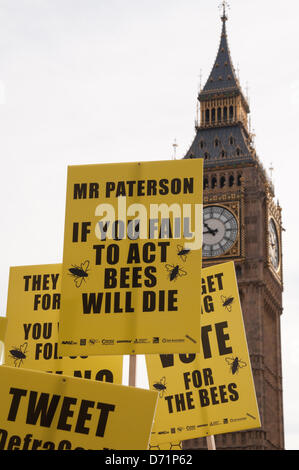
(18, 354)
(160, 386)
(157, 447)
(183, 252)
(235, 364)
(175, 271)
(177, 445)
(227, 302)
(79, 273)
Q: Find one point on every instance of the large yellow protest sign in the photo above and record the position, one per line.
(132, 258)
(211, 392)
(40, 411)
(32, 324)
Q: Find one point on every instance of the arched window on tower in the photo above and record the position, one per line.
(225, 113)
(231, 180)
(213, 114)
(231, 113)
(214, 182)
(239, 179)
(207, 115)
(205, 183)
(222, 181)
(219, 114)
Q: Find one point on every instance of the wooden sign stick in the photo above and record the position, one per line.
(211, 443)
(132, 370)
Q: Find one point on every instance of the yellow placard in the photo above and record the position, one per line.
(31, 339)
(132, 258)
(211, 392)
(2, 336)
(40, 411)
(2, 327)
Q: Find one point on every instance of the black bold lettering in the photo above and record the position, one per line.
(206, 341)
(219, 279)
(93, 190)
(187, 358)
(80, 191)
(188, 185)
(133, 254)
(151, 280)
(92, 302)
(65, 413)
(166, 360)
(40, 408)
(169, 403)
(180, 402)
(105, 410)
(176, 185)
(148, 301)
(3, 437)
(214, 395)
(147, 248)
(84, 416)
(223, 392)
(234, 394)
(222, 338)
(110, 281)
(98, 249)
(27, 278)
(17, 393)
(110, 186)
(104, 375)
(163, 183)
(203, 397)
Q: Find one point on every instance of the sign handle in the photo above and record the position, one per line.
(132, 370)
(211, 442)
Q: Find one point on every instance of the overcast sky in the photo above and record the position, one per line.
(98, 81)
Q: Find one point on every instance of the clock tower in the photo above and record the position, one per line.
(242, 223)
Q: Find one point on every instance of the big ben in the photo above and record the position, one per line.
(242, 223)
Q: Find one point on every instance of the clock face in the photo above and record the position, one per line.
(220, 230)
(273, 245)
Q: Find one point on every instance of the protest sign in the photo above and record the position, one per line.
(40, 411)
(132, 258)
(211, 392)
(32, 324)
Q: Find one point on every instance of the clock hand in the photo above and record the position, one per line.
(210, 230)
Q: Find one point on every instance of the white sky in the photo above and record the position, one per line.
(95, 81)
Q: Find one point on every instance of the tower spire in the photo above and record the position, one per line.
(222, 100)
(224, 4)
(222, 132)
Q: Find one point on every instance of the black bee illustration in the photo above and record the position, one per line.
(183, 252)
(79, 273)
(160, 386)
(177, 445)
(227, 302)
(235, 364)
(18, 354)
(175, 271)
